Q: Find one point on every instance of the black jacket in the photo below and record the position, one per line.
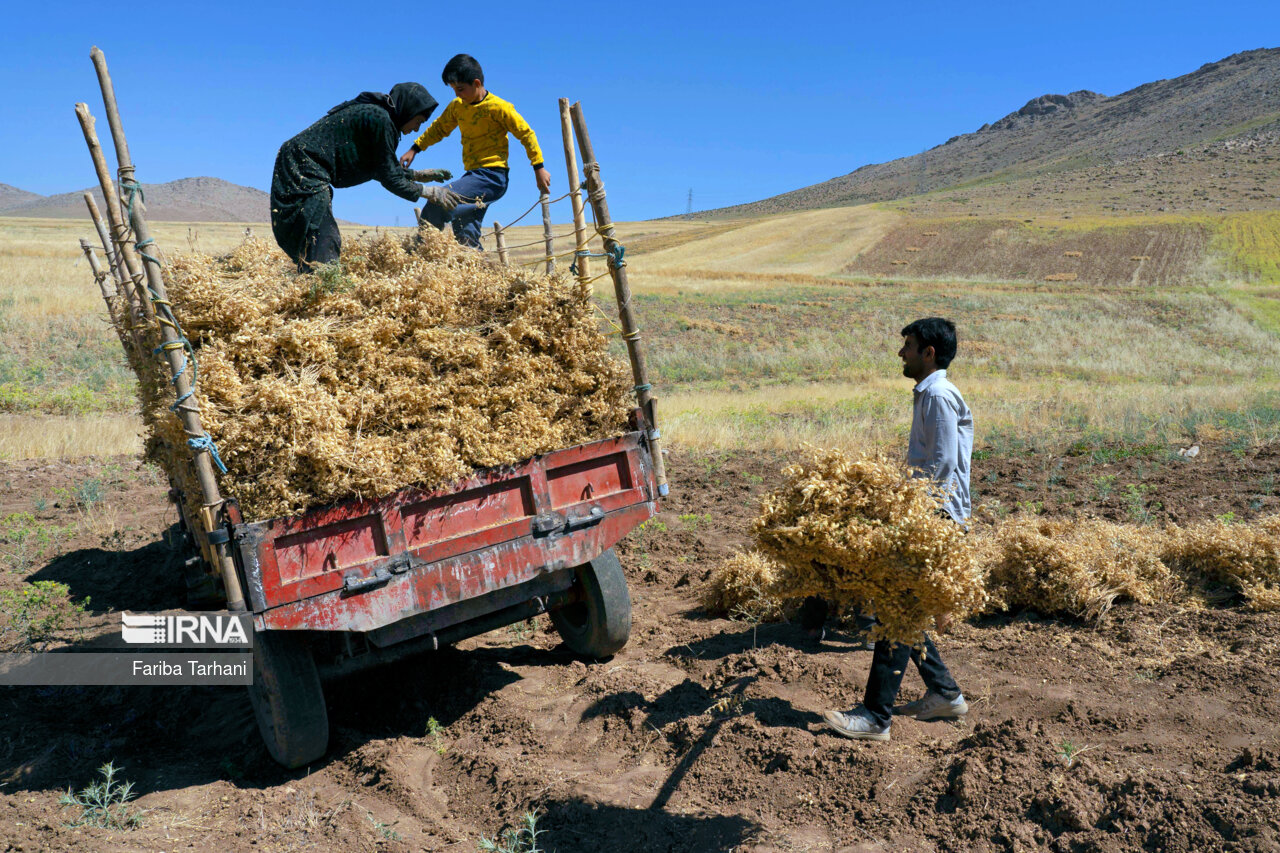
(356, 142)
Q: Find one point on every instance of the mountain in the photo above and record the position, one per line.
(1054, 134)
(184, 200)
(12, 196)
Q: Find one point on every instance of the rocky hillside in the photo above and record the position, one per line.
(1056, 134)
(12, 196)
(184, 200)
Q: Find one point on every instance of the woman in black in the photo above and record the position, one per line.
(354, 143)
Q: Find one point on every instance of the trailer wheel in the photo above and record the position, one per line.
(600, 624)
(288, 699)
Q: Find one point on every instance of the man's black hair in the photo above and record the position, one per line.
(463, 69)
(937, 333)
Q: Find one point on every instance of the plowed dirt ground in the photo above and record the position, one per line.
(1155, 731)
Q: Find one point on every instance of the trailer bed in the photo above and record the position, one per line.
(365, 566)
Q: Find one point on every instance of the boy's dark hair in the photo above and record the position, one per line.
(463, 69)
(937, 333)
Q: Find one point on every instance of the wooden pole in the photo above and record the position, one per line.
(501, 241)
(119, 229)
(575, 191)
(100, 276)
(622, 292)
(545, 201)
(113, 257)
(173, 348)
(124, 162)
(124, 285)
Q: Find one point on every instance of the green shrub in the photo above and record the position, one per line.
(37, 611)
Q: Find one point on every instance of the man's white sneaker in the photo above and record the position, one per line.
(856, 724)
(932, 706)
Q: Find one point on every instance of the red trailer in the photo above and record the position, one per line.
(366, 581)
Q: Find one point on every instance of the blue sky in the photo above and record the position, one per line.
(736, 101)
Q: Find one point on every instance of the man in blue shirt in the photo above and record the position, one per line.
(940, 447)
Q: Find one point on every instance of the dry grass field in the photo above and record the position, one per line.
(784, 330)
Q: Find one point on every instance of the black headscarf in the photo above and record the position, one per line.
(405, 101)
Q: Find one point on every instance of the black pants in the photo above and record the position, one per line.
(889, 665)
(814, 611)
(305, 228)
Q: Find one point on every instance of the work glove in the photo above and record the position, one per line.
(436, 175)
(442, 197)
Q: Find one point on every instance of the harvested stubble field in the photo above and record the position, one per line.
(1150, 252)
(1154, 730)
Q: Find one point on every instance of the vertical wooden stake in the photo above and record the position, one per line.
(100, 276)
(500, 240)
(545, 201)
(134, 288)
(622, 292)
(575, 190)
(173, 342)
(113, 257)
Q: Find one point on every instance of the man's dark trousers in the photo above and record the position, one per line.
(889, 664)
(487, 185)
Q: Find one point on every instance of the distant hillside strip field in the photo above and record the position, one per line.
(1152, 253)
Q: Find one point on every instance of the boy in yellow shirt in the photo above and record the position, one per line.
(485, 120)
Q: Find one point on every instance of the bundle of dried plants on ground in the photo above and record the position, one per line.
(859, 529)
(1075, 568)
(744, 585)
(1243, 558)
(410, 363)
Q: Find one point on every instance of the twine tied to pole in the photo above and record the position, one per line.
(204, 442)
(129, 185)
(614, 256)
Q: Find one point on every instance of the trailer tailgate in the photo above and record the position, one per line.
(361, 565)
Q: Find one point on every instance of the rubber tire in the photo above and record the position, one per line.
(599, 625)
(288, 699)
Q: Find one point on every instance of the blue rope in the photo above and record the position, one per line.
(648, 386)
(614, 257)
(188, 355)
(147, 242)
(204, 442)
(134, 189)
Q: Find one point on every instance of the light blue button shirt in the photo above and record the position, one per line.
(941, 441)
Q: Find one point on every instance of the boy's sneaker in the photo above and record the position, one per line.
(932, 706)
(856, 724)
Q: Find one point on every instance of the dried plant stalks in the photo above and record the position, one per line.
(859, 529)
(1244, 558)
(410, 363)
(1077, 568)
(745, 583)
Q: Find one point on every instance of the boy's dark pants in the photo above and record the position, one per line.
(488, 185)
(889, 664)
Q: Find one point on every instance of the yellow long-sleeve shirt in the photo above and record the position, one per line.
(484, 132)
